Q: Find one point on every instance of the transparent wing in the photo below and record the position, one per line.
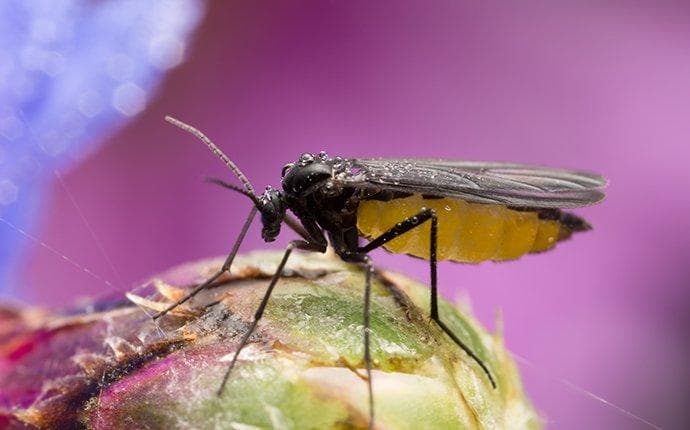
(482, 182)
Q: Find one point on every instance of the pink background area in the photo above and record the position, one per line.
(603, 86)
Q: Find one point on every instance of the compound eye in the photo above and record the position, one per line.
(286, 168)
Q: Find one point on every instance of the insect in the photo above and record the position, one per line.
(433, 209)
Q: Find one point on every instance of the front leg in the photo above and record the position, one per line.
(224, 268)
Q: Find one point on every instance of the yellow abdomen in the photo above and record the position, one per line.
(467, 232)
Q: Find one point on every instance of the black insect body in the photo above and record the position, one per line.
(433, 209)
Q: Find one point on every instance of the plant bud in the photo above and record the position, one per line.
(110, 365)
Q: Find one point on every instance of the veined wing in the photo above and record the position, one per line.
(511, 184)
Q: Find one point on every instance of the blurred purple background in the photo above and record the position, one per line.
(604, 87)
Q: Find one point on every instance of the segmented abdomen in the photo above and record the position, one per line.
(467, 232)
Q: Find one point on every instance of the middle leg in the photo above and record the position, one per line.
(365, 260)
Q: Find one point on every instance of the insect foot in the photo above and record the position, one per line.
(112, 366)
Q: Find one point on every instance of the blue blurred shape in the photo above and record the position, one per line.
(70, 72)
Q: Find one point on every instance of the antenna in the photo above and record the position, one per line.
(220, 154)
(234, 188)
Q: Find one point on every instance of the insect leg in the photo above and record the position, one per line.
(367, 333)
(299, 244)
(224, 268)
(434, 299)
(363, 258)
(402, 228)
(399, 229)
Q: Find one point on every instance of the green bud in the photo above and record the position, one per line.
(302, 369)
